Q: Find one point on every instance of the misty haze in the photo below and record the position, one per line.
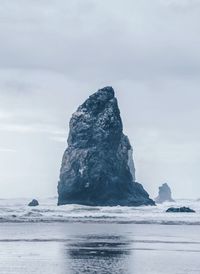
(99, 137)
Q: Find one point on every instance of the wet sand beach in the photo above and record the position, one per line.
(73, 248)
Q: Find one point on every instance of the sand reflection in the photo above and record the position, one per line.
(99, 254)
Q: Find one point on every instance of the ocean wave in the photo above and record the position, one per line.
(18, 211)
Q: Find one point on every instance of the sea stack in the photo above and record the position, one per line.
(97, 168)
(165, 194)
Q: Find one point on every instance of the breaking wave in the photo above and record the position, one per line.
(16, 210)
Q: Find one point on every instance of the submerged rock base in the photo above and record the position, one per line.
(180, 210)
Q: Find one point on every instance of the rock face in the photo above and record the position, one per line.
(180, 210)
(131, 163)
(33, 203)
(97, 168)
(165, 194)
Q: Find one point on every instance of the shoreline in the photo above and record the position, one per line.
(98, 248)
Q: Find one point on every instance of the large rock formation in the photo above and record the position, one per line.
(95, 168)
(165, 194)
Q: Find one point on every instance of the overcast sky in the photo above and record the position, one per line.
(54, 54)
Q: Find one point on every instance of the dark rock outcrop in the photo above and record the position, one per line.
(165, 194)
(95, 167)
(180, 210)
(34, 202)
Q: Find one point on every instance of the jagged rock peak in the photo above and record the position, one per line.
(97, 121)
(99, 100)
(105, 94)
(96, 165)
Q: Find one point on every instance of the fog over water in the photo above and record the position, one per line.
(54, 54)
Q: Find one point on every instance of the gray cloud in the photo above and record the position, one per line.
(7, 150)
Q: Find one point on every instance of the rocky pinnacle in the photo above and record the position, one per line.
(96, 168)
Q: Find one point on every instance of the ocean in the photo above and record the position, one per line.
(77, 239)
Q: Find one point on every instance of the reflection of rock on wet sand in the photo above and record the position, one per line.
(104, 255)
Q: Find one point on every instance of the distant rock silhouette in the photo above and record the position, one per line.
(97, 167)
(164, 195)
(180, 210)
(34, 202)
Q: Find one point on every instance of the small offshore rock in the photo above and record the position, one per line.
(34, 202)
(165, 194)
(180, 210)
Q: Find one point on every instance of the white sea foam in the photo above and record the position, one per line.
(16, 210)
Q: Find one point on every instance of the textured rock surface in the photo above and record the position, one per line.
(131, 163)
(180, 210)
(95, 167)
(165, 194)
(33, 203)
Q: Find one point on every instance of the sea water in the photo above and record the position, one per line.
(75, 239)
(16, 210)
